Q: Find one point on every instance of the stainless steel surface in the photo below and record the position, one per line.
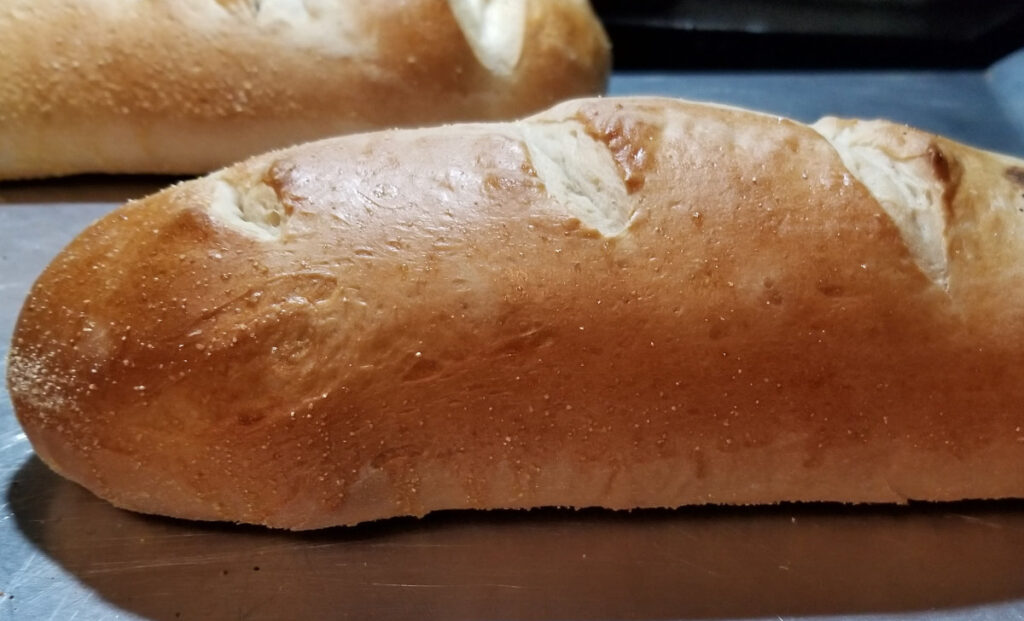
(66, 555)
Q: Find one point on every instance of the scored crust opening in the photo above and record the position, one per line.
(896, 165)
(494, 29)
(250, 207)
(580, 173)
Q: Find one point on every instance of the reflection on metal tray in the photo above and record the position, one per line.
(693, 563)
(64, 554)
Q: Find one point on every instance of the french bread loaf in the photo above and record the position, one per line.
(617, 303)
(187, 86)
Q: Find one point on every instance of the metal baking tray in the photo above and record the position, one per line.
(66, 555)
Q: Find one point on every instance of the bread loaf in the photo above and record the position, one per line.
(617, 303)
(187, 86)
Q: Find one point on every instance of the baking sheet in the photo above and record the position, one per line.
(66, 555)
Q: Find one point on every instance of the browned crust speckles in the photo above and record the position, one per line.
(428, 332)
(1015, 174)
(185, 87)
(633, 143)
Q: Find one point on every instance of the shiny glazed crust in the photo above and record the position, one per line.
(187, 86)
(618, 303)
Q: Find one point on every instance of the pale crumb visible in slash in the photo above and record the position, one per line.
(494, 29)
(579, 173)
(248, 207)
(904, 186)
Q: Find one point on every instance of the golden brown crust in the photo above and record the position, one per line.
(422, 323)
(192, 85)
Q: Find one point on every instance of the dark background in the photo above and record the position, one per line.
(766, 34)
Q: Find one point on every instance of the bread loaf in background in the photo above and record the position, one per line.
(187, 86)
(617, 303)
